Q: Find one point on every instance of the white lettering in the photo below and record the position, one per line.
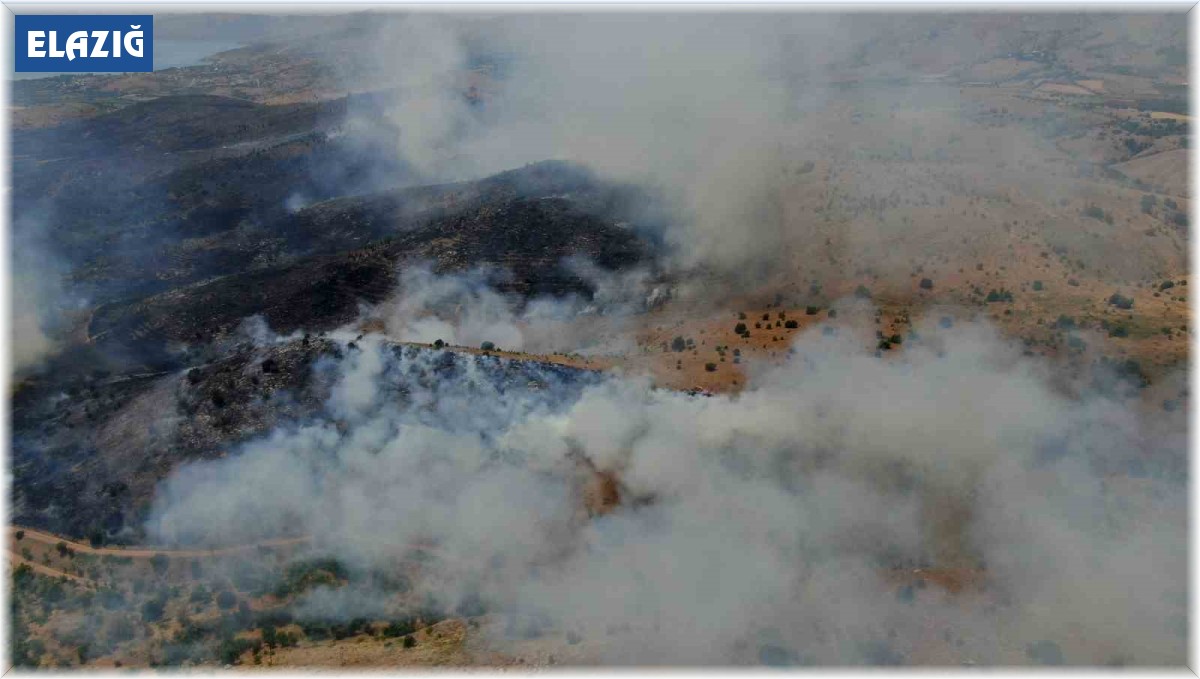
(36, 40)
(99, 36)
(134, 36)
(77, 44)
(55, 53)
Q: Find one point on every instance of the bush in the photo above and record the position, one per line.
(1166, 285)
(488, 346)
(1120, 301)
(1148, 202)
(1118, 331)
(1000, 295)
(20, 535)
(409, 641)
(710, 367)
(740, 328)
(152, 610)
(1094, 212)
(1037, 286)
(811, 310)
(226, 599)
(791, 324)
(438, 344)
(926, 284)
(678, 344)
(160, 562)
(400, 628)
(862, 292)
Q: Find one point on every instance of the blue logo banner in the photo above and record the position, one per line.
(81, 43)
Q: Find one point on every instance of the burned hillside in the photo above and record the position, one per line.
(88, 453)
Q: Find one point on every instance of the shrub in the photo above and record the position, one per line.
(811, 310)
(678, 344)
(1094, 212)
(1118, 331)
(20, 535)
(791, 324)
(926, 284)
(740, 328)
(862, 292)
(1120, 301)
(1037, 286)
(152, 610)
(400, 628)
(226, 599)
(160, 562)
(1148, 202)
(488, 346)
(1000, 295)
(438, 344)
(1167, 285)
(710, 367)
(62, 548)
(409, 641)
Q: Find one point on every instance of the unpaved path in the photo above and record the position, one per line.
(17, 560)
(146, 552)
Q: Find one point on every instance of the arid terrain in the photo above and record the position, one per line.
(337, 356)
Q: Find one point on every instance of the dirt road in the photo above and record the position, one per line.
(147, 552)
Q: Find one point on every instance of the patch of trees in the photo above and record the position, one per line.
(999, 295)
(303, 575)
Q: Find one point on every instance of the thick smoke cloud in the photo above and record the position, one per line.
(772, 526)
(703, 111)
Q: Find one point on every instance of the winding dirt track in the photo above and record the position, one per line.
(147, 552)
(17, 560)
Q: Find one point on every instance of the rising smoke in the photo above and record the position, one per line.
(772, 522)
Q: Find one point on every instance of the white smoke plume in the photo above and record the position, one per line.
(765, 527)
